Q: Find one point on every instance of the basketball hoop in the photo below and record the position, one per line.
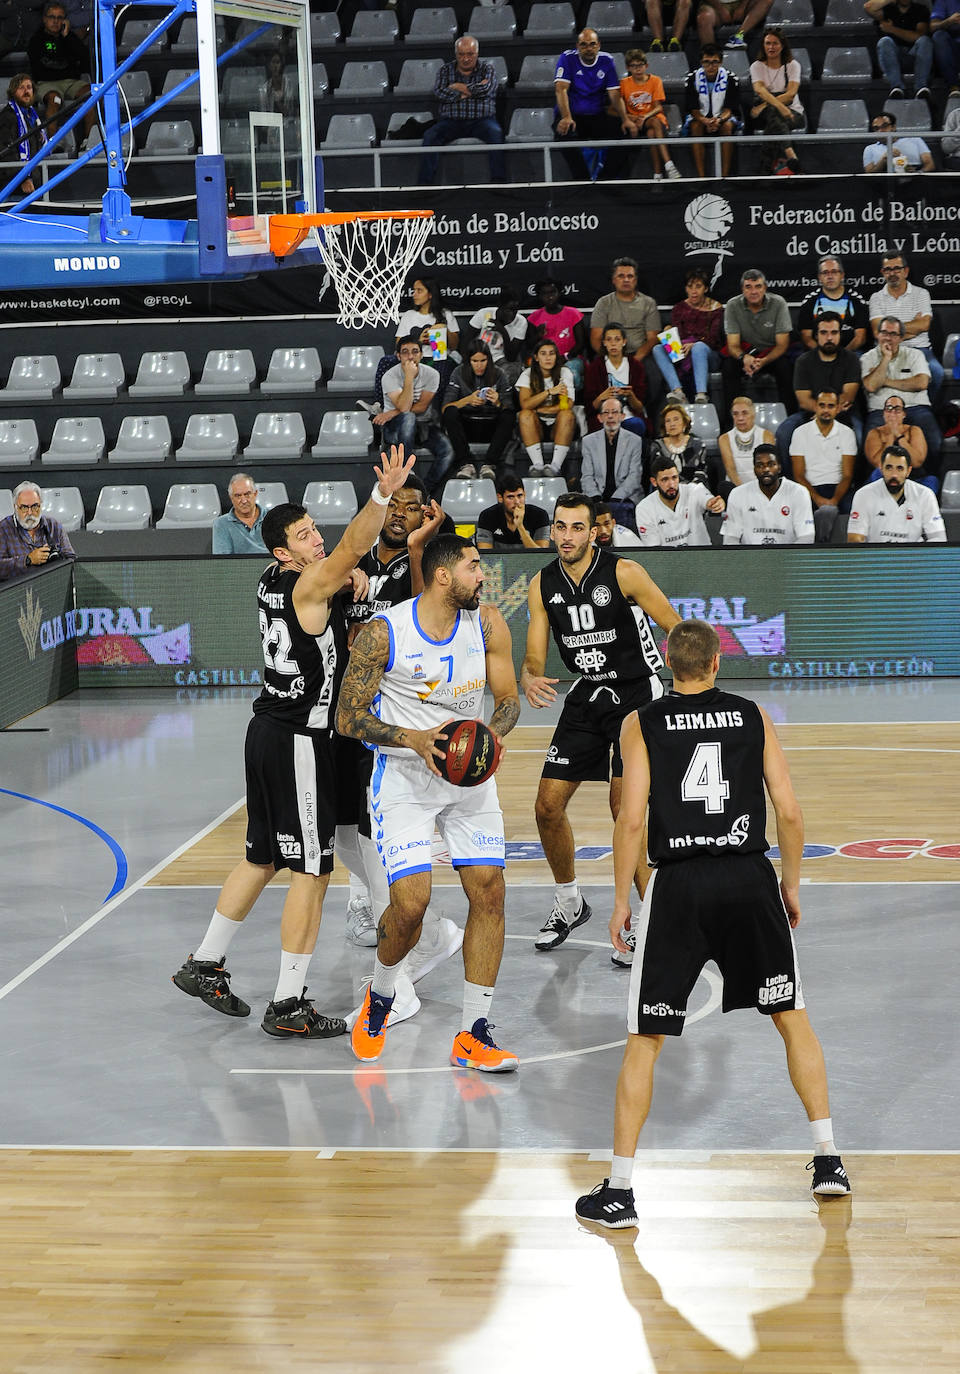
(367, 253)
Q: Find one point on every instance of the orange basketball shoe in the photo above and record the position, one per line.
(368, 1035)
(475, 1049)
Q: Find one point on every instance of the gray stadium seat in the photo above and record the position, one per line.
(209, 439)
(190, 96)
(135, 31)
(319, 80)
(844, 14)
(362, 81)
(292, 369)
(374, 29)
(271, 38)
(351, 131)
(170, 138)
(190, 506)
(185, 43)
(912, 116)
(343, 434)
(800, 55)
(950, 491)
(33, 378)
(536, 73)
(324, 29)
(550, 21)
(611, 19)
(543, 491)
(142, 439)
(121, 508)
(275, 435)
(161, 374)
(19, 443)
(847, 66)
(418, 76)
(738, 63)
(671, 67)
(96, 377)
(842, 116)
(705, 423)
(529, 125)
(792, 15)
(136, 87)
(235, 136)
(769, 414)
(400, 120)
(949, 349)
(432, 24)
(6, 502)
(227, 371)
(331, 503)
(66, 505)
(241, 86)
(355, 368)
(77, 441)
(270, 494)
(492, 22)
(464, 499)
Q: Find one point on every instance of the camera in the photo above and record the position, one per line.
(54, 553)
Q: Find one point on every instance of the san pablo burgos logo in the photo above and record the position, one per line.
(709, 219)
(29, 620)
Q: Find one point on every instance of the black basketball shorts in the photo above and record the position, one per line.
(729, 910)
(589, 728)
(354, 767)
(291, 797)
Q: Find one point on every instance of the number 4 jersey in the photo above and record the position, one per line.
(301, 672)
(706, 776)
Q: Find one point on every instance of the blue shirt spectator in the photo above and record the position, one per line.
(590, 82)
(239, 531)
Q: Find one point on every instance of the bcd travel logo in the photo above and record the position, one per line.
(708, 219)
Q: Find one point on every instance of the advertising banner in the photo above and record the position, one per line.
(38, 663)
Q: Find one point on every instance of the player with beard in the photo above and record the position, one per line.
(412, 669)
(672, 516)
(895, 509)
(825, 367)
(769, 510)
(596, 607)
(609, 534)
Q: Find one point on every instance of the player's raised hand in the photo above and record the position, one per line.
(433, 518)
(394, 470)
(539, 691)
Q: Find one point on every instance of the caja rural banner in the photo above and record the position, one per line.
(37, 661)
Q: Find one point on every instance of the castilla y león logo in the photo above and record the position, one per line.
(709, 219)
(29, 619)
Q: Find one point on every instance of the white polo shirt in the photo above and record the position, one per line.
(679, 528)
(753, 518)
(914, 301)
(908, 362)
(823, 453)
(911, 520)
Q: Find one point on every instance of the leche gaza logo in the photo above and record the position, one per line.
(709, 219)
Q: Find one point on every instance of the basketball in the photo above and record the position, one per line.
(473, 752)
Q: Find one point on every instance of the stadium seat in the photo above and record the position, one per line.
(19, 443)
(418, 76)
(374, 29)
(800, 55)
(96, 377)
(362, 81)
(276, 435)
(331, 503)
(235, 136)
(273, 37)
(792, 16)
(950, 491)
(136, 87)
(671, 67)
(355, 368)
(93, 143)
(769, 414)
(33, 378)
(320, 80)
(844, 14)
(227, 371)
(241, 86)
(133, 34)
(142, 439)
(292, 369)
(170, 138)
(77, 441)
(496, 23)
(549, 21)
(431, 24)
(401, 120)
(209, 439)
(161, 374)
(543, 491)
(351, 131)
(185, 44)
(528, 125)
(611, 19)
(842, 116)
(190, 506)
(948, 358)
(6, 502)
(66, 505)
(270, 494)
(847, 66)
(912, 116)
(738, 64)
(343, 434)
(464, 499)
(536, 73)
(189, 96)
(324, 29)
(705, 423)
(121, 508)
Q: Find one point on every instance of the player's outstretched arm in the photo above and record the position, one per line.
(640, 587)
(501, 679)
(538, 690)
(776, 775)
(628, 833)
(433, 518)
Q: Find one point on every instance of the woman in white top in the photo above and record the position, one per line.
(546, 393)
(777, 108)
(428, 309)
(737, 445)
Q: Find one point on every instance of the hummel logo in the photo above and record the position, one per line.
(556, 599)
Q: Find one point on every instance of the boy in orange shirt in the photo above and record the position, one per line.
(643, 100)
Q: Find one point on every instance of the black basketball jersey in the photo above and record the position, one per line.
(706, 776)
(600, 635)
(301, 672)
(389, 585)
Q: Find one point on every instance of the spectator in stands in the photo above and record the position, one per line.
(912, 306)
(611, 464)
(904, 154)
(511, 523)
(563, 324)
(711, 107)
(28, 538)
(239, 531)
(644, 99)
(895, 509)
(466, 92)
(950, 147)
(671, 517)
(60, 65)
(769, 510)
(546, 394)
(892, 368)
(897, 432)
(738, 446)
(945, 28)
(699, 321)
(409, 391)
(688, 451)
(429, 311)
(613, 374)
(745, 14)
(587, 90)
(681, 17)
(823, 453)
(610, 535)
(757, 326)
(278, 92)
(904, 44)
(20, 133)
(828, 367)
(638, 314)
(833, 294)
(504, 329)
(478, 407)
(777, 109)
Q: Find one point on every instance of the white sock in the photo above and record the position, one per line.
(822, 1131)
(384, 981)
(358, 890)
(568, 895)
(668, 164)
(293, 975)
(560, 452)
(214, 945)
(376, 876)
(347, 845)
(535, 454)
(477, 1001)
(621, 1171)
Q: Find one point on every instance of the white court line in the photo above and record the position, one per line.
(593, 1152)
(112, 905)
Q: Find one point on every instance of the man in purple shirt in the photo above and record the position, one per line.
(588, 100)
(945, 27)
(28, 538)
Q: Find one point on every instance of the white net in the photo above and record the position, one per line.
(368, 259)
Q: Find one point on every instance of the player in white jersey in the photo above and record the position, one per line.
(672, 516)
(771, 510)
(894, 510)
(413, 671)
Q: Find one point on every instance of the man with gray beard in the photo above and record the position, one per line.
(28, 538)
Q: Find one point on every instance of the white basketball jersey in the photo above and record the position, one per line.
(427, 682)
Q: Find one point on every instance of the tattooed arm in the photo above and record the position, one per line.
(361, 682)
(501, 677)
